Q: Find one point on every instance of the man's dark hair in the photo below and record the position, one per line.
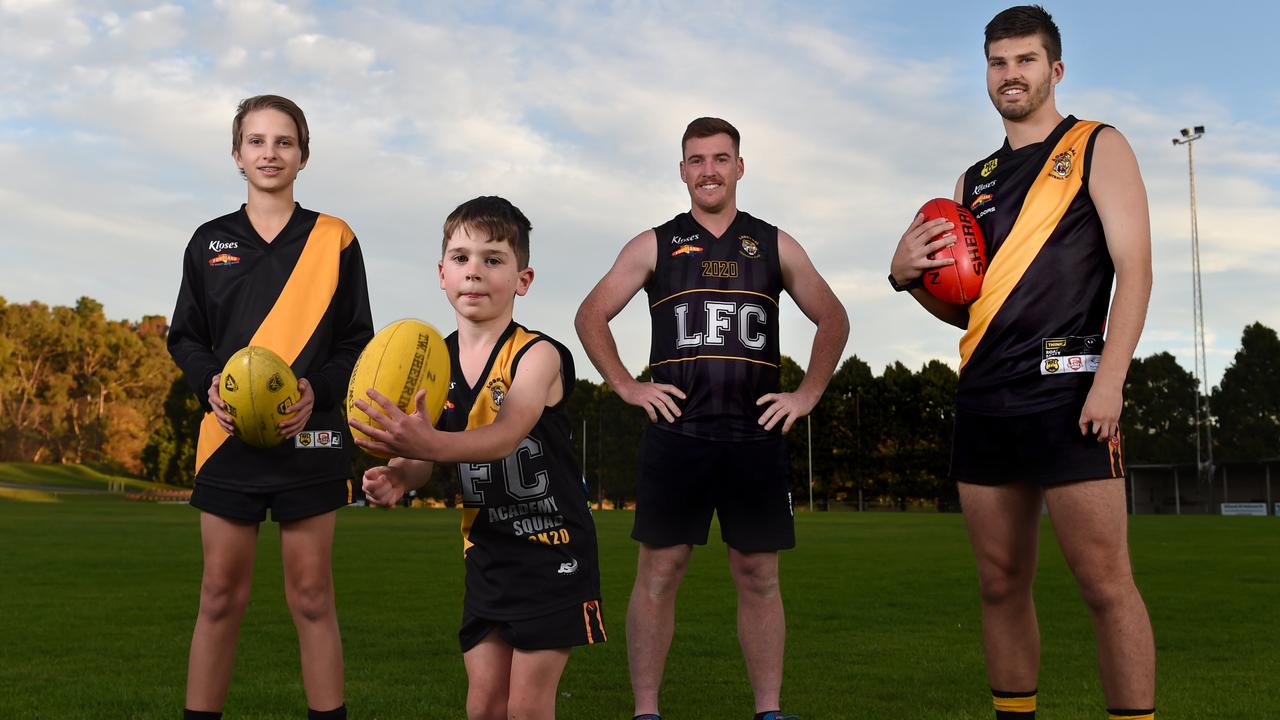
(704, 127)
(1022, 21)
(497, 218)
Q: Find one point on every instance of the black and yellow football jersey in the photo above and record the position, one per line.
(713, 305)
(529, 542)
(1035, 333)
(304, 296)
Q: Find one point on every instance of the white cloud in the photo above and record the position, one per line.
(263, 21)
(327, 57)
(575, 114)
(153, 29)
(35, 31)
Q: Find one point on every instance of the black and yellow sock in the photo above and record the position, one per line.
(201, 714)
(1125, 714)
(338, 713)
(1014, 705)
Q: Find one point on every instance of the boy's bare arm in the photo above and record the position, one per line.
(536, 385)
(385, 485)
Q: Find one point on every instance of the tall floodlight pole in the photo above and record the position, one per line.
(1205, 466)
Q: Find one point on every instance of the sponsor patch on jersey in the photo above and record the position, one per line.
(1061, 164)
(983, 187)
(568, 568)
(220, 246)
(677, 240)
(984, 212)
(989, 167)
(686, 250)
(1072, 354)
(1072, 345)
(1070, 364)
(748, 246)
(313, 439)
(223, 259)
(981, 200)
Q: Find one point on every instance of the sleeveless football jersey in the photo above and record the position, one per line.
(713, 304)
(529, 543)
(1035, 332)
(304, 296)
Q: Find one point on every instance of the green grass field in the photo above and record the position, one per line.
(99, 597)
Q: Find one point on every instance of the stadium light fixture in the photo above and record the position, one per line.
(1205, 467)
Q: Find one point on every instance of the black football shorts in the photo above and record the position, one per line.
(295, 504)
(580, 624)
(684, 480)
(1042, 448)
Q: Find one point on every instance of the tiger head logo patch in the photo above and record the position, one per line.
(497, 392)
(1061, 164)
(748, 246)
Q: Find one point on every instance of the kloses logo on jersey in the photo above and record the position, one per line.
(219, 246)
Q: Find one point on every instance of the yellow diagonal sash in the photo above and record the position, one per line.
(1046, 202)
(297, 312)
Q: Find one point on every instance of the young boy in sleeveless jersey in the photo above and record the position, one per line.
(277, 275)
(529, 543)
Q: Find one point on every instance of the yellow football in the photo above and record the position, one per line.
(403, 358)
(259, 389)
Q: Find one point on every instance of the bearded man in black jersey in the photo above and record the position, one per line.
(714, 277)
(1063, 209)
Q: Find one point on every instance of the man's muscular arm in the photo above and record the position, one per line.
(818, 303)
(1115, 184)
(634, 266)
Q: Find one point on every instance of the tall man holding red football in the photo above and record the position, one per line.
(1062, 208)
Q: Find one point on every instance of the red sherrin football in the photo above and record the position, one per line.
(958, 284)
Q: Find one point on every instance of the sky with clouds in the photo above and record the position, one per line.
(115, 140)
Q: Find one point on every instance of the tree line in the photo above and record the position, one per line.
(76, 387)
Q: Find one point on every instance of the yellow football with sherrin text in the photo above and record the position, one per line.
(403, 358)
